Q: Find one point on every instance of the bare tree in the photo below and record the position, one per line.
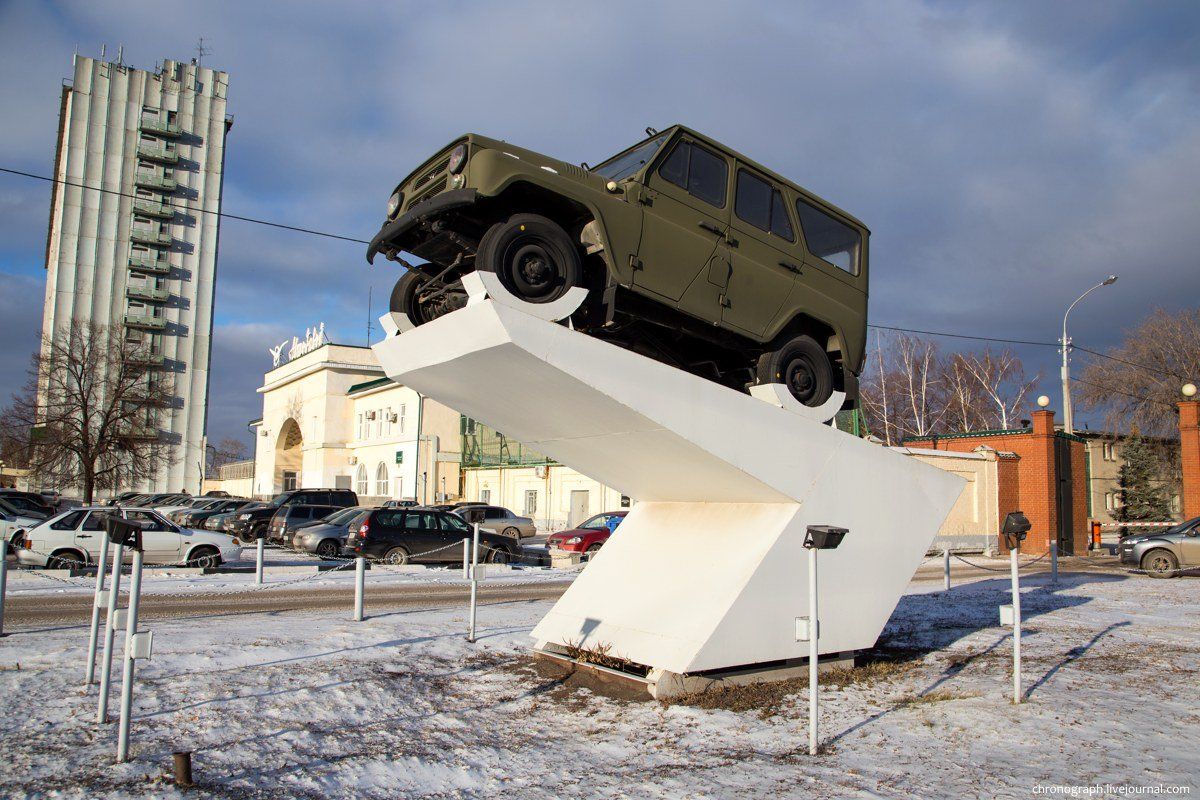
(94, 408)
(1001, 379)
(227, 451)
(1138, 385)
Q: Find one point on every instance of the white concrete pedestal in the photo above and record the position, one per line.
(707, 572)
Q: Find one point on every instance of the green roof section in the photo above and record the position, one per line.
(968, 435)
(373, 384)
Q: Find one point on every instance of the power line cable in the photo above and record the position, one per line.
(1160, 370)
(963, 336)
(186, 207)
(1143, 398)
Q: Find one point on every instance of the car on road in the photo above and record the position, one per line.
(1164, 553)
(589, 537)
(690, 253)
(421, 535)
(326, 537)
(73, 538)
(498, 519)
(287, 519)
(14, 522)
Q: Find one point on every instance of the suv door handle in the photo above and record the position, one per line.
(790, 266)
(708, 226)
(84, 536)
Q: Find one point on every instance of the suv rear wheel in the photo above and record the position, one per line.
(532, 256)
(802, 366)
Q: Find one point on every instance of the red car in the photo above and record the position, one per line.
(588, 537)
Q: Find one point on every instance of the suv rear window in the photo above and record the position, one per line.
(702, 173)
(828, 238)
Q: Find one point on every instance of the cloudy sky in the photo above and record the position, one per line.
(1005, 155)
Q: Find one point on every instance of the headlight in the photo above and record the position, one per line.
(458, 157)
(394, 203)
(575, 540)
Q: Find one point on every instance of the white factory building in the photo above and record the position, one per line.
(134, 227)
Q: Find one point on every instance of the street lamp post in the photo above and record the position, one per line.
(1068, 416)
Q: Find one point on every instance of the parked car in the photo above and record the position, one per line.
(287, 519)
(251, 520)
(124, 499)
(501, 520)
(196, 518)
(403, 535)
(217, 493)
(14, 522)
(27, 501)
(1164, 553)
(167, 509)
(746, 274)
(328, 536)
(73, 539)
(159, 499)
(589, 536)
(400, 503)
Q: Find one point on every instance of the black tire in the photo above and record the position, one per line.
(511, 531)
(533, 256)
(1160, 564)
(499, 555)
(803, 366)
(65, 559)
(205, 558)
(405, 299)
(328, 548)
(396, 557)
(592, 549)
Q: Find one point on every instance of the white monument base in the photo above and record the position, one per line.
(707, 572)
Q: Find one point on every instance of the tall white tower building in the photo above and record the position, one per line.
(134, 229)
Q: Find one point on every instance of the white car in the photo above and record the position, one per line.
(13, 523)
(73, 539)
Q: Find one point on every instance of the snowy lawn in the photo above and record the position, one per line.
(313, 705)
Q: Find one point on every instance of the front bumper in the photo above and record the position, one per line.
(1127, 556)
(392, 231)
(29, 558)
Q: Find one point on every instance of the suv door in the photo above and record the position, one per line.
(684, 227)
(764, 254)
(421, 528)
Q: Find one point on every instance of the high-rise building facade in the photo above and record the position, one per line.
(134, 228)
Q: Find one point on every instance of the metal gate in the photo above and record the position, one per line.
(1064, 496)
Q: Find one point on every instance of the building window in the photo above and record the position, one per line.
(360, 481)
(381, 479)
(387, 420)
(289, 481)
(530, 502)
(403, 409)
(1108, 452)
(360, 427)
(485, 495)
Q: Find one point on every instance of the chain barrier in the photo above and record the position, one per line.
(1020, 567)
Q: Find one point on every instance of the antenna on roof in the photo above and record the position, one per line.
(370, 327)
(201, 52)
(651, 131)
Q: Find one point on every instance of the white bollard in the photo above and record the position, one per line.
(114, 594)
(814, 633)
(1016, 606)
(258, 563)
(1054, 563)
(360, 581)
(3, 579)
(466, 558)
(945, 569)
(474, 582)
(97, 598)
(131, 622)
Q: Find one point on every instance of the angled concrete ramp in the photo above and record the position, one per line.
(707, 571)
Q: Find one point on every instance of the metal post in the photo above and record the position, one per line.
(474, 582)
(946, 569)
(131, 623)
(1054, 563)
(1016, 604)
(258, 562)
(114, 594)
(814, 633)
(466, 558)
(360, 580)
(94, 632)
(3, 579)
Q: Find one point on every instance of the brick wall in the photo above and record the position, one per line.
(1036, 481)
(1189, 456)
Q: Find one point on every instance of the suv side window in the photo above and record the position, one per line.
(69, 522)
(829, 239)
(390, 519)
(702, 173)
(761, 204)
(344, 498)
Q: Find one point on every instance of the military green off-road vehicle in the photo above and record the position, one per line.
(692, 254)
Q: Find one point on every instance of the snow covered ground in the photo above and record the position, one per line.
(313, 705)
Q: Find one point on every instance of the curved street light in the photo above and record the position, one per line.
(1068, 416)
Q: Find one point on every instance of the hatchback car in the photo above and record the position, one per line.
(589, 536)
(326, 537)
(73, 539)
(422, 535)
(498, 519)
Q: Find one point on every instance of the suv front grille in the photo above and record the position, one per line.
(431, 174)
(437, 188)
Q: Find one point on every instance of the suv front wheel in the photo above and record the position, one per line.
(802, 366)
(532, 256)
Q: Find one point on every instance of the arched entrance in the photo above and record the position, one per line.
(289, 457)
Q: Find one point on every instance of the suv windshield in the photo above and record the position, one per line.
(622, 166)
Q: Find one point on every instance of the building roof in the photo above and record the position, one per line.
(372, 384)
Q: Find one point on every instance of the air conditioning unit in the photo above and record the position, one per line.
(370, 415)
(353, 460)
(542, 471)
(264, 433)
(393, 417)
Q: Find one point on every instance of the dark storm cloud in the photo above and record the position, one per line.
(1005, 155)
